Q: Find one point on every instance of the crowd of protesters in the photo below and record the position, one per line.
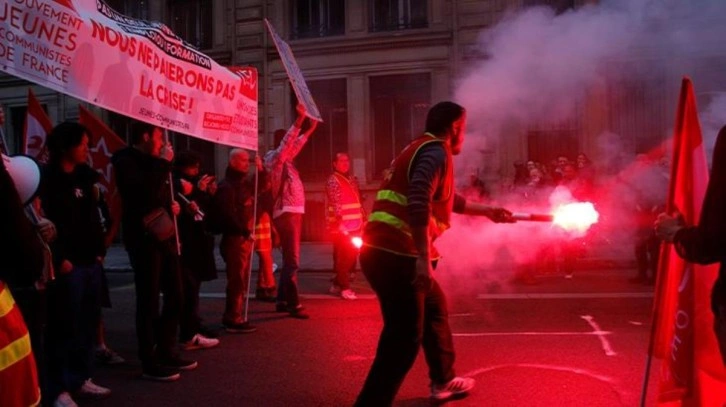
(171, 212)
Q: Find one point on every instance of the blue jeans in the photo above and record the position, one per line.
(75, 310)
(289, 227)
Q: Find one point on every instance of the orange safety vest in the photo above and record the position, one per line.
(388, 225)
(263, 233)
(18, 375)
(351, 210)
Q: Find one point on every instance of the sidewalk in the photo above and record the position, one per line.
(317, 256)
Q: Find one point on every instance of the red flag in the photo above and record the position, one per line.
(36, 129)
(104, 142)
(692, 372)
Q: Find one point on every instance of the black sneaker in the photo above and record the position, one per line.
(298, 312)
(240, 328)
(208, 332)
(178, 363)
(160, 374)
(281, 307)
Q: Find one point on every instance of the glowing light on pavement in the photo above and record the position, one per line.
(357, 242)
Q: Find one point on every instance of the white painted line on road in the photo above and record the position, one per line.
(636, 323)
(600, 334)
(475, 334)
(558, 296)
(466, 314)
(575, 370)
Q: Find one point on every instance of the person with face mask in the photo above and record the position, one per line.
(411, 210)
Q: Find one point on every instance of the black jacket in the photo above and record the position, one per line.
(197, 245)
(20, 247)
(68, 200)
(143, 183)
(234, 202)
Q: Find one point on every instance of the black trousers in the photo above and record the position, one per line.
(156, 270)
(411, 318)
(190, 321)
(647, 251)
(345, 258)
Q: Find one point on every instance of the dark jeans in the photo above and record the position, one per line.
(411, 318)
(647, 251)
(345, 258)
(189, 321)
(75, 310)
(289, 227)
(156, 270)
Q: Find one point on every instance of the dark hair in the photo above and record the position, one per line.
(278, 135)
(441, 116)
(138, 129)
(64, 137)
(187, 159)
(335, 156)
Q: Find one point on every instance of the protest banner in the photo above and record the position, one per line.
(140, 69)
(294, 74)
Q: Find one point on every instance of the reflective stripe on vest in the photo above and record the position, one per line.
(390, 207)
(17, 366)
(351, 214)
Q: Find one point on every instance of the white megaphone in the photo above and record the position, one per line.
(25, 173)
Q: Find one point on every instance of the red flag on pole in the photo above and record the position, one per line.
(692, 372)
(36, 129)
(103, 144)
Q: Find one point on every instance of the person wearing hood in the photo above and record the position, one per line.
(68, 200)
(234, 207)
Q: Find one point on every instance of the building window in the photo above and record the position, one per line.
(192, 21)
(560, 6)
(131, 8)
(317, 18)
(399, 104)
(391, 15)
(331, 136)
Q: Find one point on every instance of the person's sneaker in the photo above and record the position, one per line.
(458, 386)
(240, 327)
(348, 295)
(160, 374)
(200, 341)
(106, 356)
(299, 312)
(207, 331)
(334, 290)
(64, 400)
(178, 363)
(91, 390)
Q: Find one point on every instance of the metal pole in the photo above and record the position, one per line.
(171, 194)
(252, 250)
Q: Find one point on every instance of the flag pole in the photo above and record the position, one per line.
(664, 247)
(252, 235)
(171, 193)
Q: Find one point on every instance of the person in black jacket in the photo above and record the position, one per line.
(197, 257)
(143, 176)
(68, 200)
(234, 204)
(705, 243)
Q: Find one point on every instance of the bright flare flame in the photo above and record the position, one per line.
(578, 216)
(357, 242)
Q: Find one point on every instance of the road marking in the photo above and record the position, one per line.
(600, 334)
(575, 370)
(475, 334)
(466, 314)
(558, 296)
